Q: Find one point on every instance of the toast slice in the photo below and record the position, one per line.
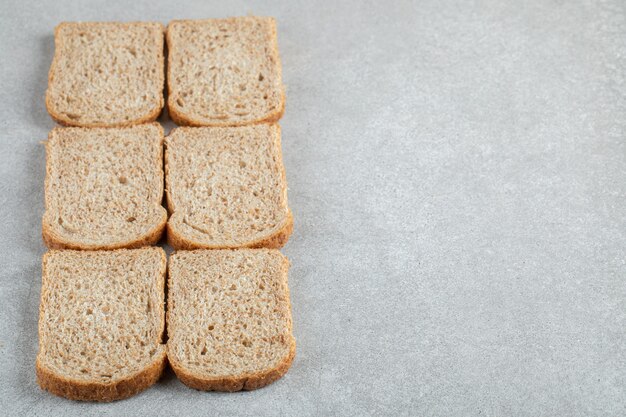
(104, 187)
(101, 323)
(106, 74)
(226, 188)
(229, 318)
(224, 72)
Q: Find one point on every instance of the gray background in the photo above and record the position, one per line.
(457, 173)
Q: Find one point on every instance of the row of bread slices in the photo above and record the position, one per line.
(101, 315)
(103, 320)
(225, 188)
(220, 72)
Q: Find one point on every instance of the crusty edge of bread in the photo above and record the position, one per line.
(245, 382)
(182, 120)
(66, 121)
(277, 240)
(152, 237)
(94, 391)
(53, 241)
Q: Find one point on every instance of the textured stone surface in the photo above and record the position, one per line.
(457, 174)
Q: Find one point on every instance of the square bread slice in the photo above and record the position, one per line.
(101, 323)
(226, 188)
(224, 72)
(229, 318)
(104, 187)
(106, 74)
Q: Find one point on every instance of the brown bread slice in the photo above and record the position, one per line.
(101, 323)
(229, 318)
(104, 187)
(224, 72)
(226, 188)
(106, 74)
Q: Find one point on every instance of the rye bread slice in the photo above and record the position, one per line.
(229, 318)
(224, 72)
(106, 74)
(104, 187)
(226, 188)
(101, 323)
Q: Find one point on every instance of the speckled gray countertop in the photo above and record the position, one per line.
(457, 172)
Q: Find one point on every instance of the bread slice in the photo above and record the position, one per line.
(106, 74)
(101, 323)
(229, 318)
(226, 188)
(104, 187)
(224, 72)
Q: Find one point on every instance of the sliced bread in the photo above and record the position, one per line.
(104, 187)
(224, 72)
(101, 322)
(229, 318)
(106, 74)
(226, 188)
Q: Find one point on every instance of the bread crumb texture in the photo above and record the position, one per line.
(104, 187)
(101, 322)
(226, 187)
(229, 318)
(224, 72)
(106, 74)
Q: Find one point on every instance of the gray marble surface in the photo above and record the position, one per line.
(457, 172)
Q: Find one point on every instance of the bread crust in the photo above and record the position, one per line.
(94, 391)
(152, 237)
(182, 119)
(244, 382)
(66, 121)
(277, 240)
